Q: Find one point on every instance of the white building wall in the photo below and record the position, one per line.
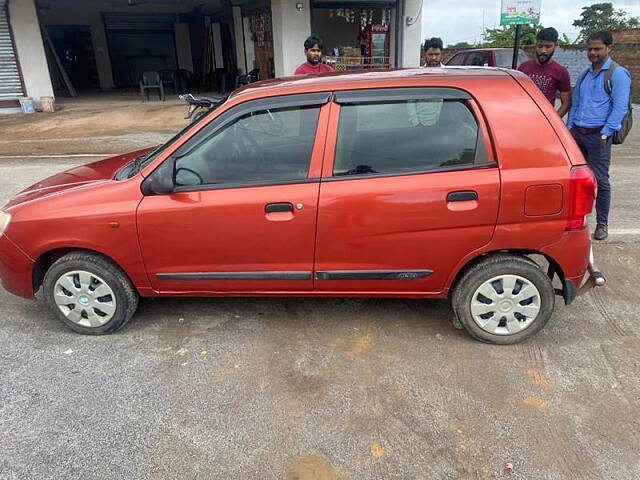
(30, 49)
(411, 32)
(290, 29)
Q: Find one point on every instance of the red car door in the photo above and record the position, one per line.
(243, 214)
(409, 188)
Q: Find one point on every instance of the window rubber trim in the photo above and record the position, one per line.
(374, 95)
(227, 186)
(474, 166)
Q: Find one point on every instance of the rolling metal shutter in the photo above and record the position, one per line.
(10, 84)
(123, 21)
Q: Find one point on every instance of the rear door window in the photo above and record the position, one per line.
(407, 135)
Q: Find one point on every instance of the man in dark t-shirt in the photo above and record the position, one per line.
(313, 51)
(549, 76)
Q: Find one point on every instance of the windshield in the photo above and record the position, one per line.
(133, 167)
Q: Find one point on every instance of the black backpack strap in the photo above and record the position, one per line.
(581, 78)
(576, 93)
(608, 86)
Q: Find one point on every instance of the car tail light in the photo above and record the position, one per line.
(582, 193)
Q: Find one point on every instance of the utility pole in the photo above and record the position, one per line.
(516, 48)
(483, 27)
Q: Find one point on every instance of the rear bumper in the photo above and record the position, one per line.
(15, 269)
(595, 279)
(571, 253)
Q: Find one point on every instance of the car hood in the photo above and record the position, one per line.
(92, 173)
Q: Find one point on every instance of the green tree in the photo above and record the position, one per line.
(564, 40)
(505, 36)
(602, 16)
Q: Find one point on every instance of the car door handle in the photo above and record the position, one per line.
(462, 196)
(278, 207)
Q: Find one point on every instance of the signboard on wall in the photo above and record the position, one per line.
(518, 12)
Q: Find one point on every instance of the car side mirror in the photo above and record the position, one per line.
(162, 180)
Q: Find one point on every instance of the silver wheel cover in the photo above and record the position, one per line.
(84, 298)
(505, 305)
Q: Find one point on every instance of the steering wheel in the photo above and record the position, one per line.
(193, 172)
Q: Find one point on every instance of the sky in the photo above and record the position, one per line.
(462, 20)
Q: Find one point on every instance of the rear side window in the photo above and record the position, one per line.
(478, 59)
(405, 136)
(504, 58)
(457, 59)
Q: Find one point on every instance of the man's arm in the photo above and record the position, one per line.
(621, 87)
(565, 103)
(565, 92)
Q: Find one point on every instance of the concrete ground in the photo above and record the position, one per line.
(94, 123)
(327, 388)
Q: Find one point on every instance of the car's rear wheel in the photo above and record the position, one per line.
(89, 293)
(504, 299)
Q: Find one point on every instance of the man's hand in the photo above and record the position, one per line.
(603, 140)
(565, 98)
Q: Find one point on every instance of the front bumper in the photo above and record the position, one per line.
(15, 269)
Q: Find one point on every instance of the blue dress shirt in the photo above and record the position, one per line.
(593, 107)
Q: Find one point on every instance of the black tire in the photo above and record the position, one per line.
(126, 296)
(494, 266)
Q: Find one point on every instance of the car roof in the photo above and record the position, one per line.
(489, 49)
(345, 80)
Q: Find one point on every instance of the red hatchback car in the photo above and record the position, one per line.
(408, 183)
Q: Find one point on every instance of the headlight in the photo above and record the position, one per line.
(5, 218)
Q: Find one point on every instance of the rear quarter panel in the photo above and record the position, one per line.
(573, 151)
(533, 148)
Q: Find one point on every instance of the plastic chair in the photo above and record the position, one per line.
(151, 81)
(168, 77)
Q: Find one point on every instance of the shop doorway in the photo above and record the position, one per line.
(74, 48)
(262, 37)
(138, 44)
(355, 38)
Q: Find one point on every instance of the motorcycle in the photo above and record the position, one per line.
(208, 104)
(205, 104)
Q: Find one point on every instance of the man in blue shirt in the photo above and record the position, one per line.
(595, 116)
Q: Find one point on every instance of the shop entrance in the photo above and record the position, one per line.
(262, 37)
(139, 43)
(74, 48)
(355, 38)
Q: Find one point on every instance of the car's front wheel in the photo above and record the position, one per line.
(504, 299)
(89, 293)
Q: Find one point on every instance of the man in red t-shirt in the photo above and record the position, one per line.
(313, 51)
(549, 76)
